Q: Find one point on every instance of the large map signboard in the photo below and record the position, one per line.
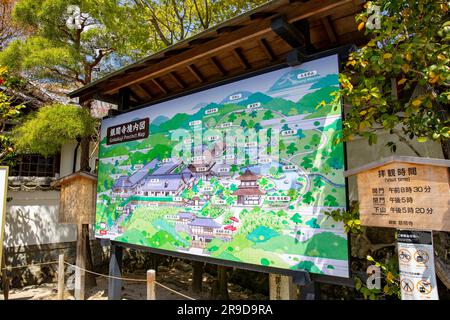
(241, 172)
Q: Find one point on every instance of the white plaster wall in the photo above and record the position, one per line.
(67, 152)
(32, 216)
(32, 219)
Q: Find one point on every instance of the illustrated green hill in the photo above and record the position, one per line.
(328, 80)
(324, 244)
(309, 102)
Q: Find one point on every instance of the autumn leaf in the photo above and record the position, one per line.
(416, 102)
(408, 56)
(361, 26)
(401, 81)
(405, 68)
(387, 55)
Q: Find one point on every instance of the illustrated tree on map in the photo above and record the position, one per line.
(291, 149)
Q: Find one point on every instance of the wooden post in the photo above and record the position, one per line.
(151, 285)
(281, 287)
(115, 270)
(197, 276)
(4, 276)
(61, 277)
(80, 274)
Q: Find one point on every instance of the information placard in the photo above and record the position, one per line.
(405, 196)
(416, 265)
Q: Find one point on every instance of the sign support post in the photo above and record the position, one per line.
(115, 270)
(281, 287)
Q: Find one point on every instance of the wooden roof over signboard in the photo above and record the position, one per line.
(235, 47)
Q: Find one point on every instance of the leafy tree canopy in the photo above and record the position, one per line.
(46, 131)
(400, 80)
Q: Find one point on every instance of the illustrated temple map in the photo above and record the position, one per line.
(242, 172)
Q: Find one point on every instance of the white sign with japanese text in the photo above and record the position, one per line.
(416, 264)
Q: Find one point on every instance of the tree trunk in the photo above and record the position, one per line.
(90, 278)
(442, 246)
(84, 157)
(197, 276)
(84, 166)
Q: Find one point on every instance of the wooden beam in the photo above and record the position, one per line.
(193, 69)
(217, 66)
(160, 85)
(265, 46)
(143, 91)
(198, 41)
(327, 23)
(134, 96)
(228, 29)
(124, 99)
(174, 52)
(261, 15)
(237, 53)
(286, 31)
(300, 11)
(177, 79)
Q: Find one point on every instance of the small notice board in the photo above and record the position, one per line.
(404, 193)
(416, 265)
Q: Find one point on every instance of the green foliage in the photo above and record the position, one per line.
(61, 53)
(8, 112)
(350, 218)
(412, 56)
(46, 131)
(391, 279)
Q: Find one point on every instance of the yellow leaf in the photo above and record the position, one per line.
(408, 56)
(389, 276)
(387, 55)
(444, 7)
(364, 63)
(401, 81)
(405, 68)
(371, 43)
(386, 289)
(361, 26)
(362, 112)
(440, 56)
(434, 79)
(362, 126)
(351, 63)
(417, 102)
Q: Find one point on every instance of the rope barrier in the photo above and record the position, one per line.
(105, 275)
(179, 293)
(130, 279)
(100, 275)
